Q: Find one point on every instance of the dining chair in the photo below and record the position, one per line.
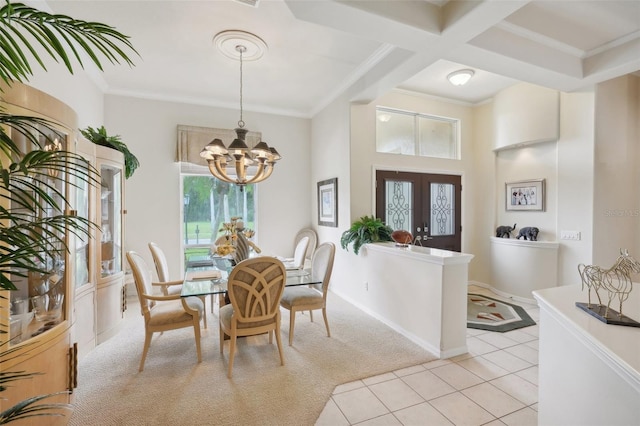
(313, 241)
(167, 286)
(163, 312)
(313, 297)
(255, 287)
(297, 261)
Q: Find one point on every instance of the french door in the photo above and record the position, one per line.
(427, 205)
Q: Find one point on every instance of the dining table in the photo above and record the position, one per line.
(212, 279)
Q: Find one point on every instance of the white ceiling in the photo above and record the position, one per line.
(319, 49)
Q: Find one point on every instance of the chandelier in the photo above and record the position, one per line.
(239, 163)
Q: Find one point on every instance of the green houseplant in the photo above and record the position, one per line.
(366, 229)
(99, 136)
(28, 237)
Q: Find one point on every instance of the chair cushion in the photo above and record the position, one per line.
(172, 312)
(196, 303)
(300, 295)
(225, 319)
(174, 289)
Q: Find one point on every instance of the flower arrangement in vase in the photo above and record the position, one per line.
(235, 241)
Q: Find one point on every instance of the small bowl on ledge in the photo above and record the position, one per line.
(402, 238)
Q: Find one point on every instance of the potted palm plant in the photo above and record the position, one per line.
(28, 238)
(99, 136)
(365, 230)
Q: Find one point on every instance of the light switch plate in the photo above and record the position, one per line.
(570, 235)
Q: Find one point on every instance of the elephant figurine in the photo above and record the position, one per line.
(529, 233)
(504, 231)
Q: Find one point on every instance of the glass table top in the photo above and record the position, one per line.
(200, 281)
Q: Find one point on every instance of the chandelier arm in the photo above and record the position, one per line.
(259, 173)
(217, 171)
(268, 169)
(240, 169)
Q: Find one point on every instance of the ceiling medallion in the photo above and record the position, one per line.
(227, 41)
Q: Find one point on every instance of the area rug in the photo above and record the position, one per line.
(174, 389)
(487, 313)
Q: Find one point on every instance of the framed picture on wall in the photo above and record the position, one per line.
(328, 202)
(525, 195)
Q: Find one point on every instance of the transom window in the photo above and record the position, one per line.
(412, 133)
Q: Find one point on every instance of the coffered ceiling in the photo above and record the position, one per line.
(319, 49)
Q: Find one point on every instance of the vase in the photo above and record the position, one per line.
(242, 248)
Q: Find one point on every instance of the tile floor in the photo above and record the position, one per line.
(496, 383)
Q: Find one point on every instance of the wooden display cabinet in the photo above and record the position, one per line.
(44, 345)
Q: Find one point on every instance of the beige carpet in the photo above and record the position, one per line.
(174, 389)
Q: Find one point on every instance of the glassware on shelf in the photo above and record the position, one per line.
(48, 307)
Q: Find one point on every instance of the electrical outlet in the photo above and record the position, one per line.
(570, 235)
(366, 286)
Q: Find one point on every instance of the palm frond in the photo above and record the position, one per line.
(366, 229)
(30, 407)
(58, 35)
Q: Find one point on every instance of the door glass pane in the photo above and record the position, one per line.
(442, 209)
(399, 204)
(395, 133)
(111, 219)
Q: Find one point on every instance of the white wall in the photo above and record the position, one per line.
(153, 193)
(616, 215)
(482, 208)
(575, 177)
(78, 91)
(330, 154)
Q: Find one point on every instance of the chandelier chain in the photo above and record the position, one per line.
(241, 49)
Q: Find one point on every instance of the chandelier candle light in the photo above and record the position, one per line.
(239, 163)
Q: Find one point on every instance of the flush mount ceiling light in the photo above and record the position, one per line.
(239, 163)
(460, 77)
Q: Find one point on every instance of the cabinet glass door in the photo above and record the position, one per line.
(110, 220)
(39, 303)
(81, 241)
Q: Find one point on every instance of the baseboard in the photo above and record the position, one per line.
(503, 293)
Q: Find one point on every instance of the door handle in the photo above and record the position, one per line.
(426, 232)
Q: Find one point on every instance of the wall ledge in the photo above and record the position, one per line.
(525, 243)
(424, 254)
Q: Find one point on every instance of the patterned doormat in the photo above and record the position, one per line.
(486, 313)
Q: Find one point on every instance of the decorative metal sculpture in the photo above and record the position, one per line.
(616, 281)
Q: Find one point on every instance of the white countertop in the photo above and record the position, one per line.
(618, 346)
(425, 254)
